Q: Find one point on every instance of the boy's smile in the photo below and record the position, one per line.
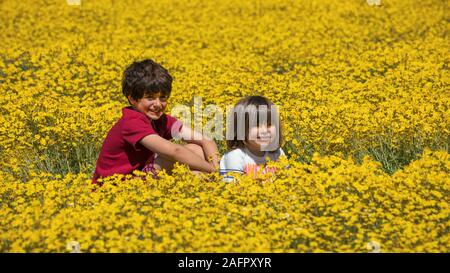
(152, 106)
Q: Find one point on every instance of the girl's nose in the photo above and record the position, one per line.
(263, 128)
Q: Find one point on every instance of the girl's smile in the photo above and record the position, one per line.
(264, 137)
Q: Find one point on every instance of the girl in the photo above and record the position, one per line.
(253, 137)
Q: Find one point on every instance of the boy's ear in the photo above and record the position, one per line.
(131, 100)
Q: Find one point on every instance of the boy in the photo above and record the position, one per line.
(140, 139)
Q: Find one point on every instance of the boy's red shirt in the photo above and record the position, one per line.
(121, 152)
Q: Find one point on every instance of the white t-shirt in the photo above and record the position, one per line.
(244, 162)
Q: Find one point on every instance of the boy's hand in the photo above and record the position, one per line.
(214, 168)
(176, 152)
(209, 146)
(214, 163)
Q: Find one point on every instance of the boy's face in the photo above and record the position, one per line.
(152, 106)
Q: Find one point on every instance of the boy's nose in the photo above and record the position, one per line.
(158, 102)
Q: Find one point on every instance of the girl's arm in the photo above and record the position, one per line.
(176, 152)
(209, 146)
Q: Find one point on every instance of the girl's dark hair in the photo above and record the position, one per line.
(146, 78)
(250, 108)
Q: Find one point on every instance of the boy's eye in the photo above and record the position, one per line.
(161, 99)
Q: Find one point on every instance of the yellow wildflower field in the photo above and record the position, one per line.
(364, 97)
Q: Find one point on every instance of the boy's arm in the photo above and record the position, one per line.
(177, 152)
(209, 146)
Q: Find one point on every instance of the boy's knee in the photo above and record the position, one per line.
(197, 149)
(163, 164)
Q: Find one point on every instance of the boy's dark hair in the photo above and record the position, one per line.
(250, 107)
(146, 78)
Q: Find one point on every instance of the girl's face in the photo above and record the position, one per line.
(260, 137)
(153, 107)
